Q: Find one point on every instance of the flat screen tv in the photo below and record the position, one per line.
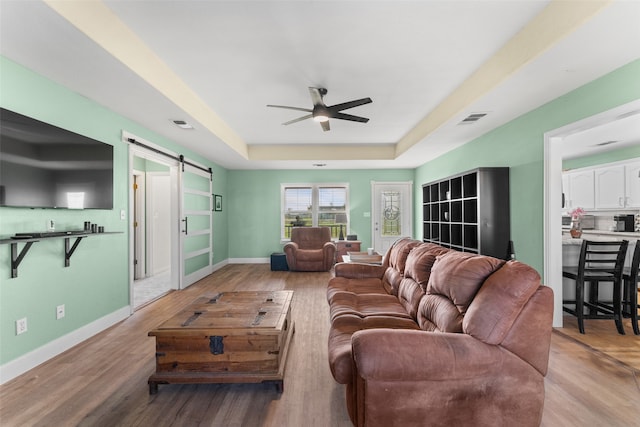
(44, 166)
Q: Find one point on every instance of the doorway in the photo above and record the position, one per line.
(553, 141)
(392, 213)
(151, 227)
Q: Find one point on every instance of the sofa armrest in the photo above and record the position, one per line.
(290, 249)
(355, 270)
(415, 377)
(290, 246)
(398, 355)
(329, 248)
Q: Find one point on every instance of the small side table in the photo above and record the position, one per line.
(344, 246)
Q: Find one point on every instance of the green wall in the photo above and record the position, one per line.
(519, 144)
(254, 204)
(599, 159)
(97, 282)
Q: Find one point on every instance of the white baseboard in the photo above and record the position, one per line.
(24, 363)
(219, 265)
(28, 361)
(249, 260)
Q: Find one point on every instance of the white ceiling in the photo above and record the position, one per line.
(425, 64)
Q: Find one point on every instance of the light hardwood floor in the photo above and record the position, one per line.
(103, 381)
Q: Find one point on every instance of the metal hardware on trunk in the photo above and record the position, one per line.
(259, 317)
(215, 345)
(193, 317)
(215, 298)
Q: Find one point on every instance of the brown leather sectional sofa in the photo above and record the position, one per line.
(439, 337)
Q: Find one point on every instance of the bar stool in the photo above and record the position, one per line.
(631, 277)
(599, 262)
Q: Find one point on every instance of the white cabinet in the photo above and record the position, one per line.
(606, 187)
(609, 185)
(580, 190)
(632, 185)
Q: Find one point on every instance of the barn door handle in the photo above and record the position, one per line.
(186, 225)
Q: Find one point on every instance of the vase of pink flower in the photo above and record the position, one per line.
(576, 217)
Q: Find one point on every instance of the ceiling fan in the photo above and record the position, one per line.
(322, 113)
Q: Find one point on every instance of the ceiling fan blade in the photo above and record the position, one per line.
(290, 108)
(350, 104)
(343, 116)
(325, 126)
(299, 119)
(316, 95)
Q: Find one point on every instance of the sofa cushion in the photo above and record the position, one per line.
(420, 262)
(342, 328)
(500, 301)
(416, 275)
(395, 259)
(454, 281)
(363, 305)
(354, 286)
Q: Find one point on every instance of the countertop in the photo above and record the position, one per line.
(599, 235)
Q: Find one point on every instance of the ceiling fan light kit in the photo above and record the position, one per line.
(321, 113)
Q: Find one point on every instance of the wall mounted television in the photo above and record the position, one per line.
(44, 166)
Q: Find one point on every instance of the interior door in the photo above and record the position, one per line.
(196, 253)
(159, 222)
(392, 213)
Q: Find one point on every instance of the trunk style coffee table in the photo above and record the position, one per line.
(229, 337)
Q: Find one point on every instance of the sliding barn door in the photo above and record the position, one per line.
(196, 225)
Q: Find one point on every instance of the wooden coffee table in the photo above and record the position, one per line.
(228, 337)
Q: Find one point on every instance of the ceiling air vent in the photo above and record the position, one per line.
(472, 118)
(182, 124)
(601, 144)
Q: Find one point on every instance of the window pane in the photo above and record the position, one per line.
(332, 199)
(329, 219)
(391, 213)
(297, 199)
(297, 208)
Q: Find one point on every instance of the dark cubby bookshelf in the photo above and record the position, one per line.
(469, 212)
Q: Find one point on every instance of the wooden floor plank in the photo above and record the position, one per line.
(592, 381)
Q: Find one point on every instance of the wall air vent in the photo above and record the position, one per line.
(472, 118)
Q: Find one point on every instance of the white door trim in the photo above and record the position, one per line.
(138, 151)
(553, 196)
(139, 216)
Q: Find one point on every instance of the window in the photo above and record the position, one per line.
(316, 205)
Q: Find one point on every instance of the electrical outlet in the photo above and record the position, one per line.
(21, 326)
(59, 312)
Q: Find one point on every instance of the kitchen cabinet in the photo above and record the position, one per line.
(632, 184)
(606, 187)
(580, 189)
(609, 187)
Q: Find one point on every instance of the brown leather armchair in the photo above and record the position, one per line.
(310, 249)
